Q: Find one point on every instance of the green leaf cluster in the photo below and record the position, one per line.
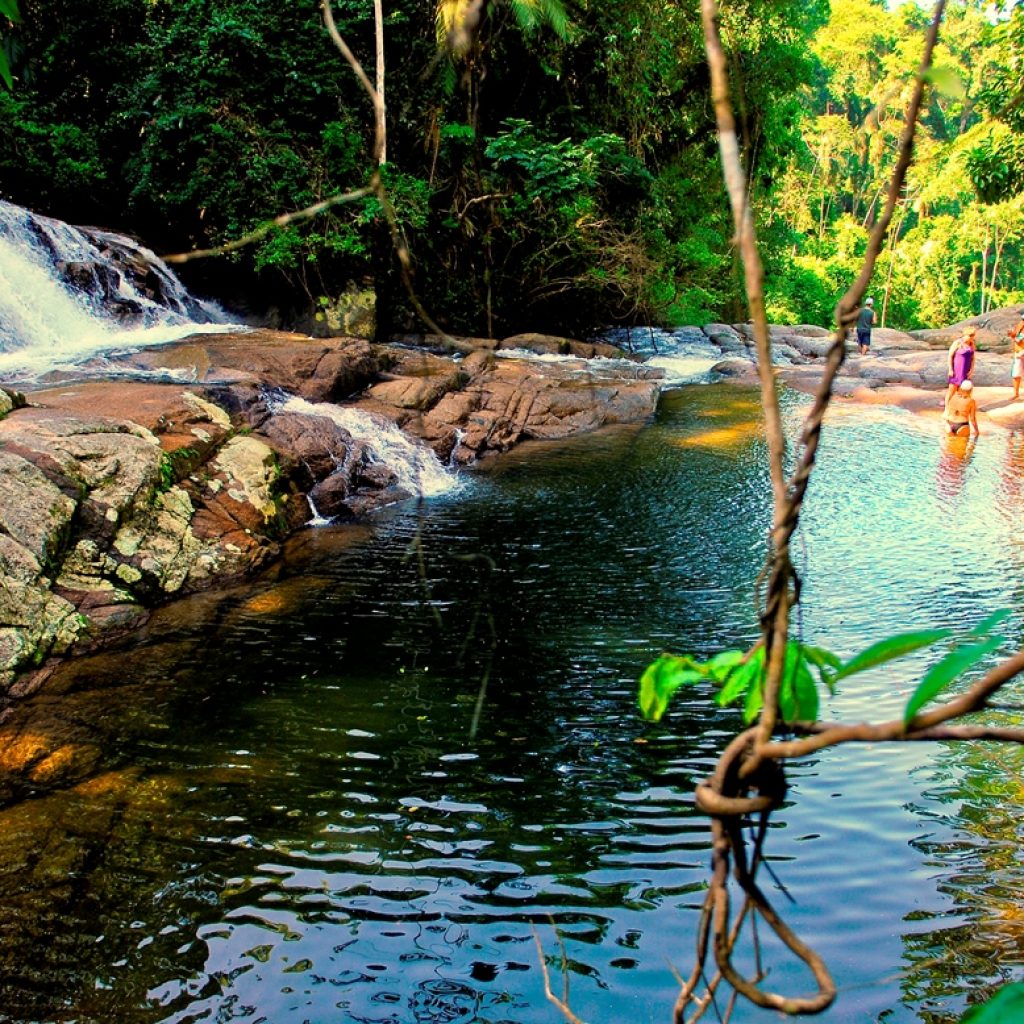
(996, 166)
(807, 668)
(741, 677)
(553, 170)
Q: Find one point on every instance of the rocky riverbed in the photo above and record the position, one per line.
(118, 494)
(187, 470)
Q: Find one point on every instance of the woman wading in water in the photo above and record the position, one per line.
(961, 413)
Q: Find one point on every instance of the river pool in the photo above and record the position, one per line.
(367, 786)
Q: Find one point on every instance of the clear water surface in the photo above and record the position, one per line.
(378, 784)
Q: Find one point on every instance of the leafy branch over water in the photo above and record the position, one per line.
(741, 674)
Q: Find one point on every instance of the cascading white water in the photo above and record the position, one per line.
(65, 295)
(70, 294)
(685, 354)
(419, 471)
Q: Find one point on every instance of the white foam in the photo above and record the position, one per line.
(47, 323)
(419, 471)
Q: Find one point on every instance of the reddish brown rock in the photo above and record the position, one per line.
(322, 369)
(549, 344)
(508, 400)
(116, 495)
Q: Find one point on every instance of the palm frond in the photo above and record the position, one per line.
(532, 14)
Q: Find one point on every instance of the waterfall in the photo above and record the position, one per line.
(418, 469)
(685, 353)
(69, 293)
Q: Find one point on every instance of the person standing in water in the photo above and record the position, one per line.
(960, 361)
(961, 413)
(1016, 335)
(865, 321)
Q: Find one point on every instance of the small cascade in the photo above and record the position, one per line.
(316, 518)
(459, 438)
(419, 471)
(686, 354)
(68, 293)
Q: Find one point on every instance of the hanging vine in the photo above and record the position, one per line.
(776, 679)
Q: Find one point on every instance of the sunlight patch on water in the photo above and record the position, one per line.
(730, 409)
(724, 437)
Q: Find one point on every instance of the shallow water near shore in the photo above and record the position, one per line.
(374, 785)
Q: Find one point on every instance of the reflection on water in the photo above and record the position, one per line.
(287, 815)
(952, 468)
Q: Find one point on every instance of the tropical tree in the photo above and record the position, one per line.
(997, 162)
(945, 258)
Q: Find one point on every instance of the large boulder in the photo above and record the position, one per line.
(98, 520)
(493, 403)
(351, 313)
(321, 370)
(992, 328)
(549, 344)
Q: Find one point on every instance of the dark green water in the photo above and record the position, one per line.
(365, 788)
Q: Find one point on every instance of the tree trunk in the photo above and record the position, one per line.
(378, 23)
(995, 264)
(892, 259)
(984, 274)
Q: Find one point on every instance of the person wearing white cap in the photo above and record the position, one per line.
(961, 413)
(865, 321)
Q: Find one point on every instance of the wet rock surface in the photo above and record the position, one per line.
(118, 495)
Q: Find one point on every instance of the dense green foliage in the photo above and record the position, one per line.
(9, 15)
(951, 254)
(996, 163)
(558, 171)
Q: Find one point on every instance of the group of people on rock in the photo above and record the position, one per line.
(960, 409)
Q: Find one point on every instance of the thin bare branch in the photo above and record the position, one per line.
(777, 625)
(379, 105)
(277, 222)
(925, 726)
(376, 97)
(567, 1013)
(743, 222)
